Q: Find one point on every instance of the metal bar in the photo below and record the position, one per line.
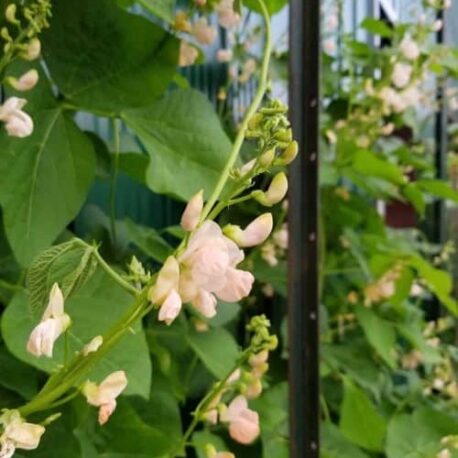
(438, 229)
(303, 227)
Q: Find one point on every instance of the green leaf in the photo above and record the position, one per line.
(377, 27)
(414, 195)
(163, 9)
(438, 281)
(17, 376)
(105, 59)
(70, 264)
(45, 178)
(217, 350)
(368, 164)
(273, 6)
(272, 407)
(380, 334)
(148, 240)
(183, 135)
(438, 188)
(360, 422)
(418, 435)
(93, 310)
(335, 445)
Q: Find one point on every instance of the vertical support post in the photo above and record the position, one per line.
(304, 228)
(438, 226)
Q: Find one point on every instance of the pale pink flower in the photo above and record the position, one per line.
(243, 422)
(192, 212)
(17, 122)
(203, 32)
(224, 55)
(254, 234)
(437, 25)
(165, 291)
(18, 434)
(227, 17)
(248, 69)
(401, 74)
(259, 358)
(188, 54)
(53, 323)
(269, 254)
(329, 46)
(212, 453)
(280, 237)
(104, 395)
(26, 82)
(332, 22)
(275, 193)
(209, 266)
(409, 48)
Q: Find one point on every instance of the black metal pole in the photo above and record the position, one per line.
(438, 226)
(303, 227)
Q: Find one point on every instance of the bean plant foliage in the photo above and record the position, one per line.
(120, 339)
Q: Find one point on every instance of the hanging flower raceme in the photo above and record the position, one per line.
(243, 422)
(104, 395)
(18, 434)
(17, 122)
(53, 323)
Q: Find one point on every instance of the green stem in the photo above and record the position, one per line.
(115, 276)
(248, 115)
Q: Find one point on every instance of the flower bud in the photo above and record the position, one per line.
(289, 154)
(254, 389)
(192, 212)
(255, 121)
(254, 234)
(276, 192)
(266, 159)
(284, 135)
(33, 50)
(26, 82)
(181, 22)
(93, 345)
(10, 14)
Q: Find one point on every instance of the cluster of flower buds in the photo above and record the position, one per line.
(24, 44)
(244, 384)
(206, 268)
(18, 434)
(202, 31)
(138, 275)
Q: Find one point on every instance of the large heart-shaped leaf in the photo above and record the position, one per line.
(94, 309)
(183, 135)
(105, 59)
(45, 177)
